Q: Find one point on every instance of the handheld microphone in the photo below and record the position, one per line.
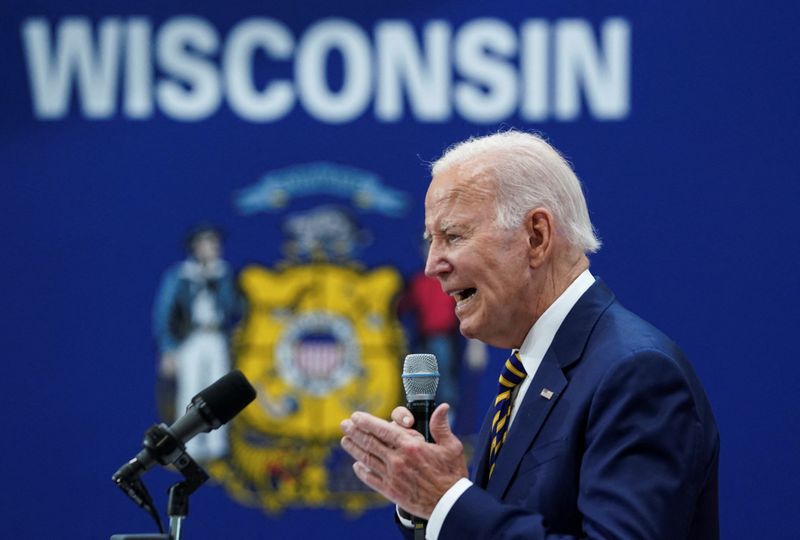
(211, 408)
(420, 379)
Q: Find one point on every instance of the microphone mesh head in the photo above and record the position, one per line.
(420, 377)
(228, 396)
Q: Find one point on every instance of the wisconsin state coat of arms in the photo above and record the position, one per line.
(320, 339)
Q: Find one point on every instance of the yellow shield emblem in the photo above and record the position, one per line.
(318, 342)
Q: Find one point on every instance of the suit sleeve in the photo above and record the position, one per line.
(640, 467)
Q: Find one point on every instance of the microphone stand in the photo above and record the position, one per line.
(178, 505)
(178, 502)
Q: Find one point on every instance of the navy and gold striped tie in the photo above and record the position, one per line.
(513, 374)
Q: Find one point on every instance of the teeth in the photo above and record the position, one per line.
(461, 295)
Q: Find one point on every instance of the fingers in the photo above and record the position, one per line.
(387, 434)
(366, 475)
(369, 441)
(388, 487)
(403, 417)
(372, 441)
(364, 448)
(368, 460)
(439, 426)
(396, 461)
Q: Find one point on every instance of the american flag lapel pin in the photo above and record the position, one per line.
(546, 393)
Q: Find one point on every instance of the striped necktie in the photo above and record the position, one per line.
(512, 375)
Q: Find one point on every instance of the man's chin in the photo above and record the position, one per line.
(468, 330)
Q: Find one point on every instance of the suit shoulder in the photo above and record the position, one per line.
(624, 347)
(627, 334)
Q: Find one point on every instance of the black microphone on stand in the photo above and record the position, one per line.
(210, 409)
(420, 379)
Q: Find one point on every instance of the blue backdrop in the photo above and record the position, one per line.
(124, 124)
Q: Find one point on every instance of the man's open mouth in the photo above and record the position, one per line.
(463, 294)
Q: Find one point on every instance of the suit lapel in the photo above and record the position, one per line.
(482, 450)
(527, 422)
(567, 348)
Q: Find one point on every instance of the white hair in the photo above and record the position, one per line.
(529, 174)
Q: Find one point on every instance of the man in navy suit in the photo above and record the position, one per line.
(600, 428)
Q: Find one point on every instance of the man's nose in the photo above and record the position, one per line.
(436, 264)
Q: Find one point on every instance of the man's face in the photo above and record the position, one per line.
(482, 266)
(207, 248)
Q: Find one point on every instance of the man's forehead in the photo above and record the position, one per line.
(457, 201)
(460, 184)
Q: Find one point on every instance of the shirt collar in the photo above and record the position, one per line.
(541, 334)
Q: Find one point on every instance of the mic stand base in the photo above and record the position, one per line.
(178, 504)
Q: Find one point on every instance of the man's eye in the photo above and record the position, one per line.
(453, 237)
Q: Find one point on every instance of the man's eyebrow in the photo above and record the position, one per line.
(443, 229)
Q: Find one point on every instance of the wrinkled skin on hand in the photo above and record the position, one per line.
(394, 460)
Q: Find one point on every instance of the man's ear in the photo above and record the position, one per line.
(539, 227)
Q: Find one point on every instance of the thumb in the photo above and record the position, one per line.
(439, 426)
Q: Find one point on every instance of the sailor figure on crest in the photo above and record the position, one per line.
(195, 308)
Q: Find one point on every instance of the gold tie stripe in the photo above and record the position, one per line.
(512, 375)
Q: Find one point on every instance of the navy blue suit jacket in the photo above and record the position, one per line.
(626, 446)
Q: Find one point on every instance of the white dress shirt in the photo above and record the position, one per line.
(532, 351)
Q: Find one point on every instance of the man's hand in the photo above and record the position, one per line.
(396, 461)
